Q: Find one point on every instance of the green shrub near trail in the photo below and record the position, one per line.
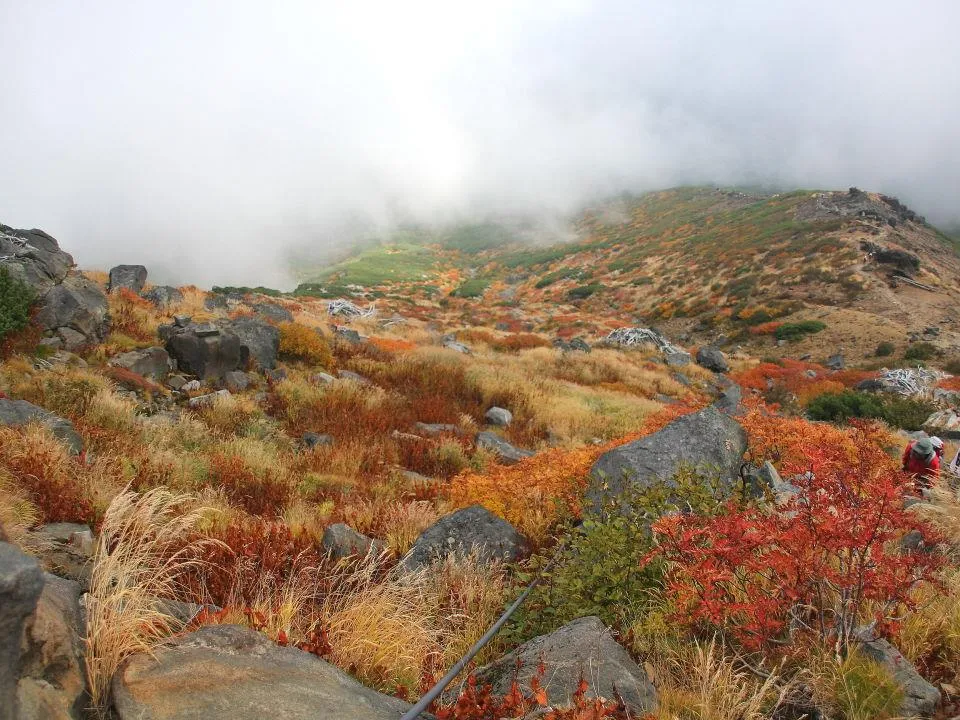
(15, 300)
(798, 330)
(905, 413)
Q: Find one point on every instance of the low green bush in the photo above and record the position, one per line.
(797, 330)
(472, 288)
(921, 351)
(584, 291)
(905, 413)
(15, 300)
(884, 349)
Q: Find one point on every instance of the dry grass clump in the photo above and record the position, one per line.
(18, 515)
(142, 551)
(930, 636)
(700, 682)
(64, 391)
(231, 415)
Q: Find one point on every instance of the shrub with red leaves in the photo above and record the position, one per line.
(259, 493)
(824, 561)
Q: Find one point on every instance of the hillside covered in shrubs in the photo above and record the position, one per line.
(243, 503)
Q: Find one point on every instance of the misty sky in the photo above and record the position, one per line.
(208, 139)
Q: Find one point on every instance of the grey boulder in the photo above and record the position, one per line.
(501, 417)
(76, 310)
(21, 412)
(708, 442)
(473, 529)
(152, 362)
(131, 277)
(228, 672)
(341, 541)
(208, 355)
(508, 454)
(163, 296)
(21, 582)
(920, 698)
(236, 381)
(584, 649)
(712, 359)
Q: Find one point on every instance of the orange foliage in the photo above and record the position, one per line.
(767, 328)
(392, 345)
(951, 383)
(304, 343)
(131, 315)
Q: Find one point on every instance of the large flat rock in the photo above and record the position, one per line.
(229, 672)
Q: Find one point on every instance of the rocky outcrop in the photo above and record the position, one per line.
(21, 582)
(69, 305)
(944, 424)
(473, 529)
(341, 541)
(153, 362)
(505, 452)
(129, 277)
(228, 672)
(163, 296)
(76, 311)
(920, 698)
(584, 649)
(52, 683)
(21, 412)
(708, 442)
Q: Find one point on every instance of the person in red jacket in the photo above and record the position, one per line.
(920, 459)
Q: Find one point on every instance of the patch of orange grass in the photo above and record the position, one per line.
(540, 491)
(951, 383)
(392, 345)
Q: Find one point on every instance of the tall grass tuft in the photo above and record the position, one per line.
(143, 550)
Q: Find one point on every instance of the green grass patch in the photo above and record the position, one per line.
(472, 288)
(798, 330)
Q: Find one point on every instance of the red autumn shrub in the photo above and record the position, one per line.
(827, 560)
(262, 492)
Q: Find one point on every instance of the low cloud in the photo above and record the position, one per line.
(214, 141)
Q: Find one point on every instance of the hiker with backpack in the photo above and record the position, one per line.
(921, 460)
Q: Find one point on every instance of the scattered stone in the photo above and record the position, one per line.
(182, 320)
(276, 375)
(920, 698)
(177, 382)
(712, 359)
(584, 649)
(435, 428)
(51, 343)
(836, 362)
(52, 682)
(206, 330)
(21, 582)
(273, 313)
(501, 417)
(322, 378)
(131, 277)
(341, 541)
(207, 400)
(153, 362)
(508, 454)
(677, 359)
(190, 386)
(62, 532)
(353, 377)
(707, 442)
(766, 480)
(236, 381)
(578, 344)
(228, 672)
(215, 301)
(804, 358)
(729, 400)
(472, 529)
(21, 412)
(944, 423)
(311, 440)
(351, 336)
(456, 347)
(163, 296)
